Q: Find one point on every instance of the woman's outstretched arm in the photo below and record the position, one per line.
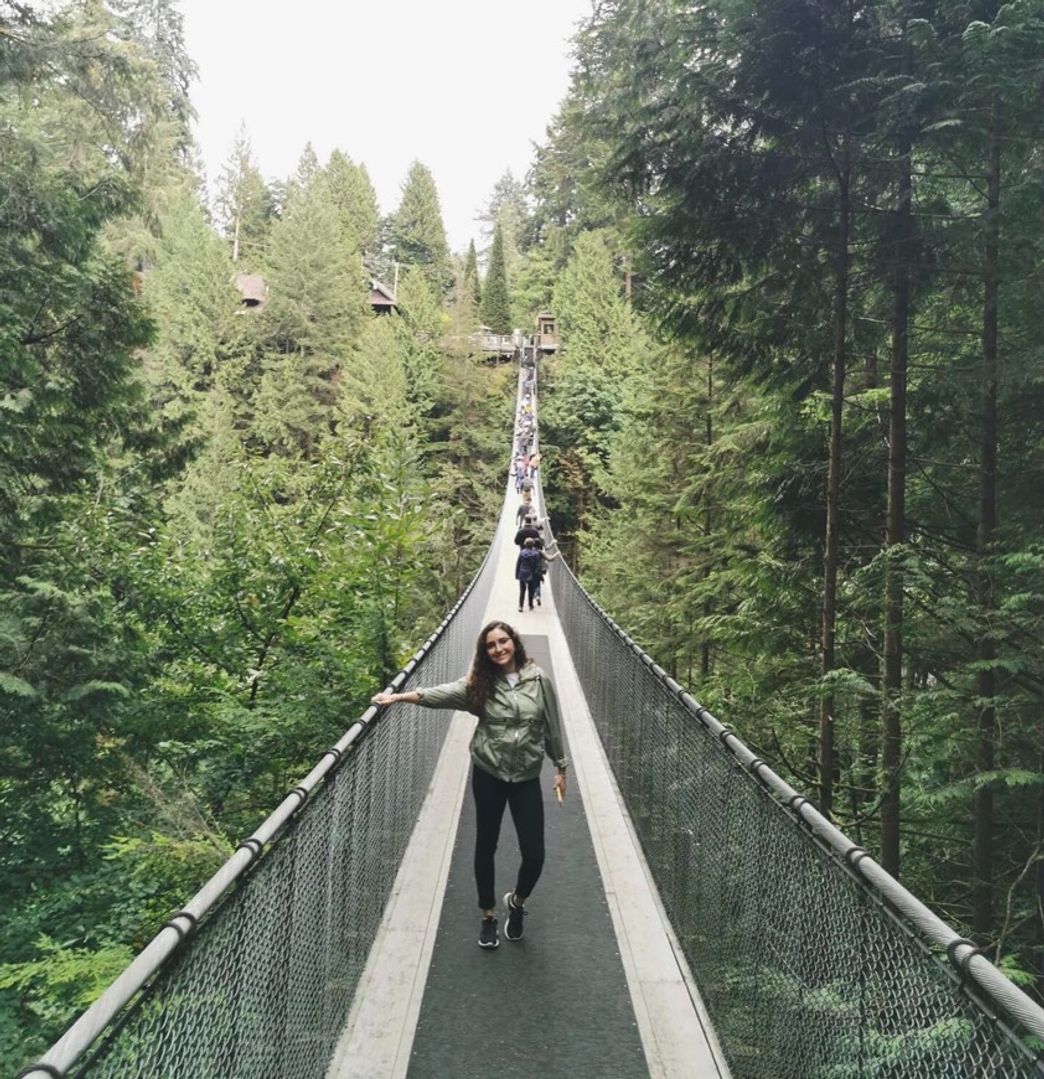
(449, 695)
(411, 697)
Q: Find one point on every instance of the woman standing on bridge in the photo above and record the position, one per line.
(518, 721)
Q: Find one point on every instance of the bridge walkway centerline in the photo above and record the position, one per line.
(620, 992)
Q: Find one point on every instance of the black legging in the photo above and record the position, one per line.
(527, 811)
(531, 585)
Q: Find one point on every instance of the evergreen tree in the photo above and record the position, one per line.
(315, 311)
(244, 203)
(508, 209)
(189, 294)
(471, 273)
(356, 201)
(159, 26)
(601, 344)
(74, 468)
(419, 329)
(416, 234)
(316, 282)
(495, 306)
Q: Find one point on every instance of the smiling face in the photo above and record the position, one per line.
(501, 649)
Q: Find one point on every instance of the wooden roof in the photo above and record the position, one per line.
(381, 295)
(252, 288)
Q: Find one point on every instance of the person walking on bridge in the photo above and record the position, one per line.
(527, 571)
(518, 722)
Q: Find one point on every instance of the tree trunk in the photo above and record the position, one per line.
(708, 520)
(1039, 874)
(827, 760)
(895, 522)
(985, 648)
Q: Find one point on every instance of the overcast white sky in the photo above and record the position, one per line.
(464, 86)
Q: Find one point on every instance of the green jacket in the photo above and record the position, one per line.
(516, 725)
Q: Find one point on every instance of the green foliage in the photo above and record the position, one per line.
(245, 205)
(315, 276)
(416, 234)
(218, 535)
(508, 211)
(471, 273)
(495, 306)
(691, 490)
(52, 988)
(356, 201)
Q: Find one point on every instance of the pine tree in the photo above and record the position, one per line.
(159, 26)
(315, 312)
(602, 343)
(471, 273)
(244, 203)
(189, 293)
(416, 233)
(495, 307)
(508, 209)
(356, 201)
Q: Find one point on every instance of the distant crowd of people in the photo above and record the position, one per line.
(531, 565)
(517, 710)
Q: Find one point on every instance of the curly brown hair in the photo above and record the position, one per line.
(484, 671)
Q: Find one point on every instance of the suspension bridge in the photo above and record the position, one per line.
(697, 917)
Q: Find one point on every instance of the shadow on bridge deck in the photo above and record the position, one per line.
(597, 988)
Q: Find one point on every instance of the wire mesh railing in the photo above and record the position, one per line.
(256, 976)
(813, 962)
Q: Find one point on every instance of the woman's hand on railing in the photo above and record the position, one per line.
(380, 699)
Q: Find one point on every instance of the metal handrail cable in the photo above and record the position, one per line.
(132, 984)
(971, 973)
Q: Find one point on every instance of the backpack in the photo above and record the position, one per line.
(529, 564)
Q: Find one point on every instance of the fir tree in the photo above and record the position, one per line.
(471, 273)
(316, 309)
(495, 307)
(416, 234)
(508, 209)
(189, 293)
(244, 203)
(356, 201)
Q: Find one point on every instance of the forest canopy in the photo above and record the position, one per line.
(793, 442)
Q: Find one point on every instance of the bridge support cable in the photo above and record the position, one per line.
(256, 975)
(812, 960)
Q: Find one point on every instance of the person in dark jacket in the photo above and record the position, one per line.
(527, 571)
(518, 722)
(529, 530)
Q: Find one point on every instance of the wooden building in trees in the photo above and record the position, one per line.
(382, 299)
(547, 332)
(252, 290)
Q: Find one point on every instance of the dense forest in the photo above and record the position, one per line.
(222, 528)
(800, 416)
(794, 441)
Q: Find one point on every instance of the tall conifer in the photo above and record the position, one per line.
(244, 203)
(495, 307)
(416, 233)
(356, 200)
(471, 273)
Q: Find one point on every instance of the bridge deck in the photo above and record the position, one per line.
(598, 987)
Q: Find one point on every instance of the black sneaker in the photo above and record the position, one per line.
(488, 935)
(513, 926)
(538, 601)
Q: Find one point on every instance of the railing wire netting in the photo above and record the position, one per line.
(807, 971)
(263, 989)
